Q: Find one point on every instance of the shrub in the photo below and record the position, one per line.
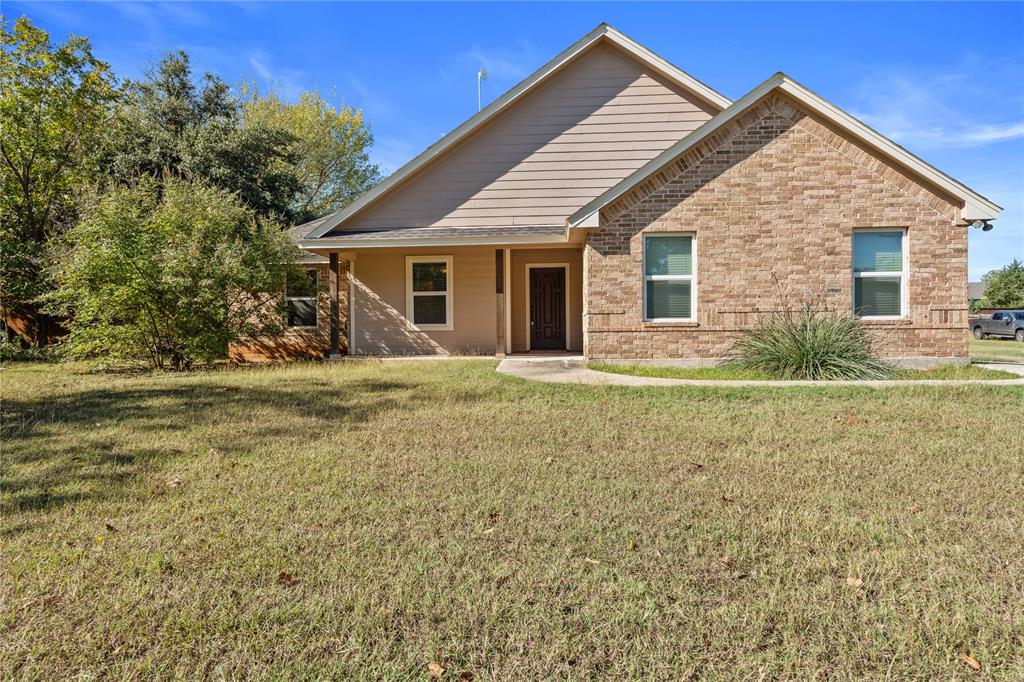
(809, 345)
(169, 275)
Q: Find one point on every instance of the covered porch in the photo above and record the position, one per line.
(466, 291)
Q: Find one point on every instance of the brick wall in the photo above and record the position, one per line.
(773, 199)
(302, 343)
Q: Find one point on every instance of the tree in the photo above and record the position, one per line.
(54, 100)
(331, 148)
(171, 274)
(1004, 288)
(169, 126)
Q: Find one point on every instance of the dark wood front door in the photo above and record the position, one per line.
(547, 308)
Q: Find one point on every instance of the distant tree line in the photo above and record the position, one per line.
(127, 206)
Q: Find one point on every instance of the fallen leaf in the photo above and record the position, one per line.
(851, 421)
(916, 508)
(726, 561)
(727, 500)
(493, 518)
(174, 482)
(591, 561)
(549, 460)
(740, 575)
(695, 467)
(489, 531)
(110, 527)
(434, 670)
(286, 579)
(971, 661)
(632, 546)
(501, 580)
(465, 676)
(855, 583)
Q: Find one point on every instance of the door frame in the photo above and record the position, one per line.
(568, 323)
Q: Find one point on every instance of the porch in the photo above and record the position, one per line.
(414, 296)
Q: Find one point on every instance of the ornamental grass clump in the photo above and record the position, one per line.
(806, 344)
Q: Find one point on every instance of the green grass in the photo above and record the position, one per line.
(729, 372)
(997, 349)
(360, 520)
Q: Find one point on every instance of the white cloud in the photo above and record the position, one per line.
(286, 82)
(940, 110)
(502, 63)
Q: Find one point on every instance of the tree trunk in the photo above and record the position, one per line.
(42, 331)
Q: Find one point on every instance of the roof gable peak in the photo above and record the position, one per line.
(603, 32)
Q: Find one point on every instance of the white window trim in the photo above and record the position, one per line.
(691, 278)
(316, 310)
(902, 274)
(529, 302)
(410, 294)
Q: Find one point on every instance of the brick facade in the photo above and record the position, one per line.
(772, 200)
(303, 343)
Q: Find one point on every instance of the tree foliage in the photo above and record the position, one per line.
(1004, 288)
(170, 274)
(54, 101)
(170, 126)
(331, 147)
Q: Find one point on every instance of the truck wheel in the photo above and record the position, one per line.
(1019, 335)
(978, 333)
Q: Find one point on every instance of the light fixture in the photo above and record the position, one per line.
(983, 225)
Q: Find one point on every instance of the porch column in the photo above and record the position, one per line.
(500, 343)
(334, 305)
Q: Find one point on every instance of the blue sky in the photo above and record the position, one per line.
(944, 80)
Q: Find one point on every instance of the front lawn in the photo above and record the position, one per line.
(364, 520)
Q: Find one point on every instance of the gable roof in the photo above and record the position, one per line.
(975, 205)
(603, 33)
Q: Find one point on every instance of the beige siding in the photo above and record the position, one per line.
(380, 324)
(591, 125)
(520, 294)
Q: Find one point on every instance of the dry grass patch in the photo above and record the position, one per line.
(364, 519)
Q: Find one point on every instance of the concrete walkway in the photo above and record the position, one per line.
(572, 369)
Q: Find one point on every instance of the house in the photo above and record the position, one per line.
(613, 205)
(975, 292)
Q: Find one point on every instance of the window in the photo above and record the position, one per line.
(428, 284)
(668, 277)
(300, 299)
(879, 274)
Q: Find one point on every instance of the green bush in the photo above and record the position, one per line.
(809, 345)
(16, 351)
(170, 275)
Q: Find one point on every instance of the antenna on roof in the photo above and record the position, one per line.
(481, 76)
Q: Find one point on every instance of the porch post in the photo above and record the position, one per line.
(499, 290)
(335, 313)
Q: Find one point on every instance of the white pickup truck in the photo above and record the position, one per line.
(1007, 323)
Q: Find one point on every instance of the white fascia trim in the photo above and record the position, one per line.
(975, 205)
(327, 242)
(604, 31)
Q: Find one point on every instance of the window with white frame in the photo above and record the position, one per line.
(428, 284)
(879, 273)
(669, 288)
(300, 299)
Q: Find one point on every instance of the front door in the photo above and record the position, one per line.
(547, 309)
